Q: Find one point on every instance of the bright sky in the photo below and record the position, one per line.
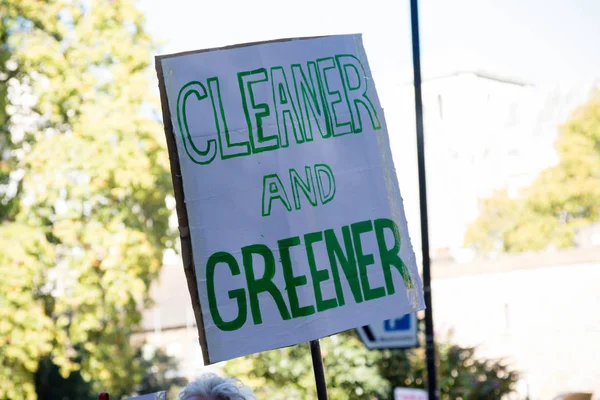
(539, 41)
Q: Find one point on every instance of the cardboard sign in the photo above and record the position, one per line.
(396, 333)
(409, 394)
(290, 214)
(151, 396)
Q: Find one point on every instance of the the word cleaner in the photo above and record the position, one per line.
(348, 264)
(322, 98)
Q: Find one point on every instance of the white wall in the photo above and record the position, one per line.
(546, 321)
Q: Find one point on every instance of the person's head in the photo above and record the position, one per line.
(213, 387)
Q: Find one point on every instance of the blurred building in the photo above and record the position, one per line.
(170, 324)
(483, 133)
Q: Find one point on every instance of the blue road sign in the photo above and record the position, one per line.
(398, 333)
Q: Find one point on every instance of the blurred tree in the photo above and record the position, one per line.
(51, 385)
(83, 214)
(355, 373)
(159, 372)
(8, 200)
(287, 373)
(462, 374)
(563, 198)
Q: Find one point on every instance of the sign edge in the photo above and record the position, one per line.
(248, 44)
(182, 214)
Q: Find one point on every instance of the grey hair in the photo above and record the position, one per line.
(221, 388)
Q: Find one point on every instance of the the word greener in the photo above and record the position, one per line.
(346, 261)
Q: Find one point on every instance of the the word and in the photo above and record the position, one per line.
(273, 188)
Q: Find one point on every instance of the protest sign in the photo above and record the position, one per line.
(409, 394)
(151, 396)
(290, 214)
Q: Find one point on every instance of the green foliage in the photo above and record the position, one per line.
(160, 372)
(563, 198)
(50, 385)
(462, 374)
(83, 215)
(355, 373)
(287, 373)
(26, 331)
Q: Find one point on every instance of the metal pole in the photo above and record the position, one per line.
(429, 338)
(317, 360)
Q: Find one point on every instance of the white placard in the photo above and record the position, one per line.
(151, 396)
(296, 220)
(409, 394)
